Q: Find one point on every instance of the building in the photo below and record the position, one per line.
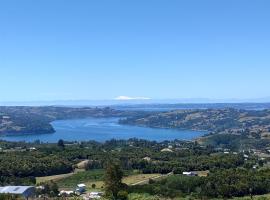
(95, 195)
(81, 188)
(66, 193)
(32, 149)
(24, 191)
(190, 173)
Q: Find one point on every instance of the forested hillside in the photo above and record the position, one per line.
(251, 123)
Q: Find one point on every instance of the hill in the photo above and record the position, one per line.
(21, 119)
(251, 123)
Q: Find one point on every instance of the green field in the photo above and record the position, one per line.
(52, 178)
(86, 177)
(96, 177)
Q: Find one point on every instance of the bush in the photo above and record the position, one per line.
(122, 195)
(151, 181)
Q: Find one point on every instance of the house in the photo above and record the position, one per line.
(40, 187)
(246, 156)
(81, 188)
(95, 195)
(255, 167)
(24, 191)
(190, 173)
(66, 193)
(32, 149)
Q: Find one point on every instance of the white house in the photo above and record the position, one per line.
(66, 193)
(190, 173)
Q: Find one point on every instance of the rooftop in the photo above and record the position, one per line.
(14, 189)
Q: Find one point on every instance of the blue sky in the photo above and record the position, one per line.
(63, 49)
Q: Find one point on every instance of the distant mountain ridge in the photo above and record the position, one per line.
(132, 102)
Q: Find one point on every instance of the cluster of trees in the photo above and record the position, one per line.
(230, 174)
(22, 167)
(50, 159)
(236, 142)
(223, 183)
(48, 189)
(190, 163)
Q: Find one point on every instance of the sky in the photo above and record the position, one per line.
(158, 49)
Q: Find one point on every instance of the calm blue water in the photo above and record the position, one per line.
(102, 129)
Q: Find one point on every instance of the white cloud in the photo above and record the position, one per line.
(131, 98)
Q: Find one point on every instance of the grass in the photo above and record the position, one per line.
(139, 178)
(203, 173)
(80, 168)
(96, 177)
(52, 178)
(81, 165)
(86, 177)
(57, 177)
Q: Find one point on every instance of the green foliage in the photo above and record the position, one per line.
(224, 183)
(237, 182)
(8, 197)
(230, 174)
(122, 195)
(113, 179)
(22, 167)
(50, 189)
(81, 177)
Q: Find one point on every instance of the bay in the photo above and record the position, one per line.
(102, 129)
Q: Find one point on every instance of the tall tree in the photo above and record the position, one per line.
(113, 179)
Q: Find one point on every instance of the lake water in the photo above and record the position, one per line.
(102, 129)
